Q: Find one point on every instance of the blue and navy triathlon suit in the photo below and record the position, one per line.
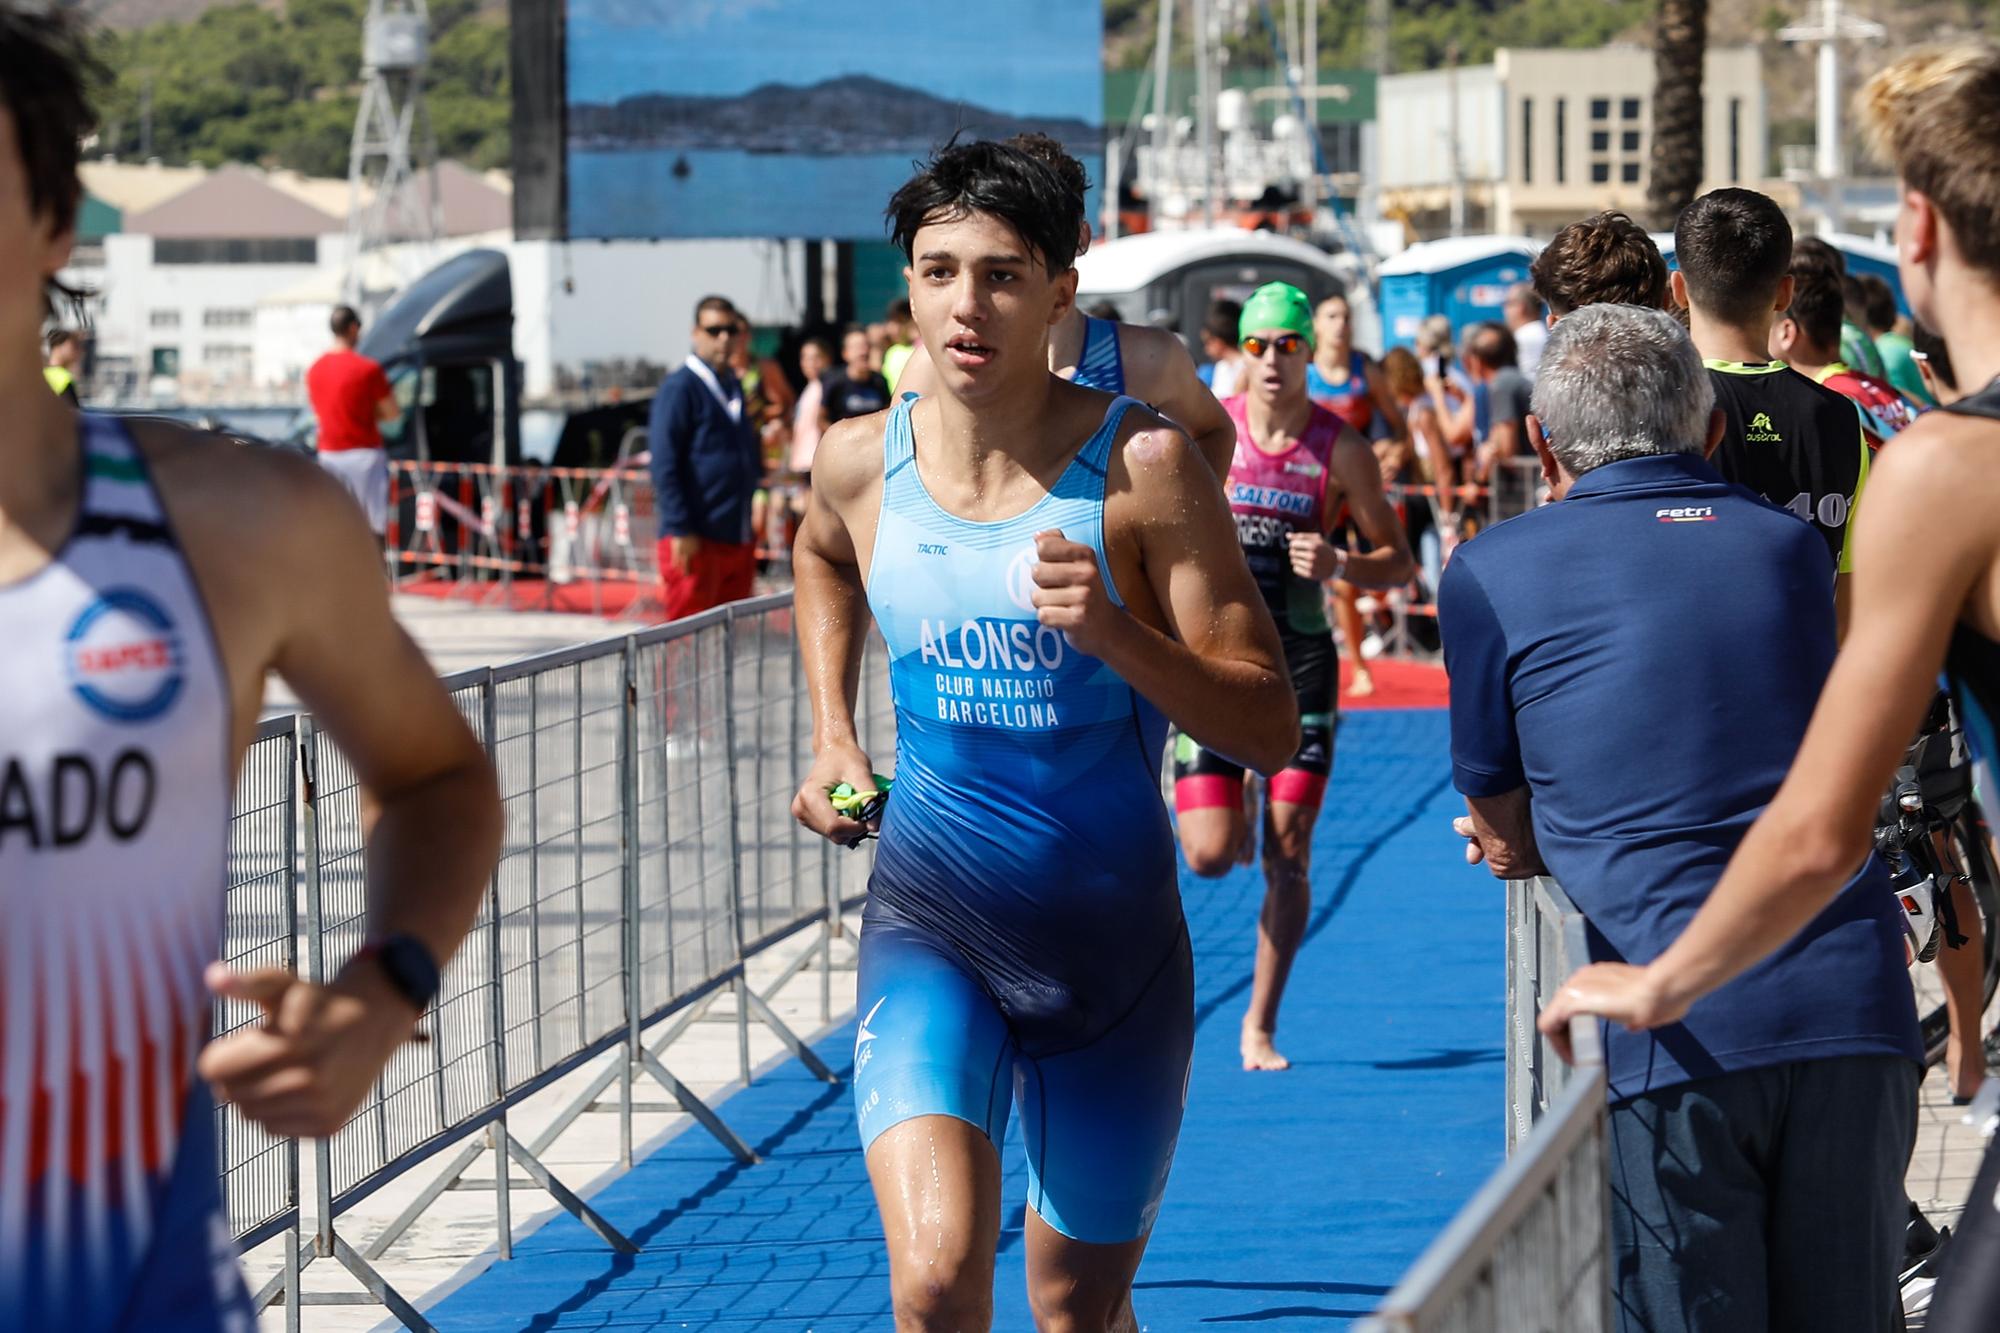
(1350, 400)
(1023, 941)
(115, 782)
(1101, 366)
(1968, 1294)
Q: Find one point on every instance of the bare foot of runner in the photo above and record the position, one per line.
(1259, 1053)
(1362, 684)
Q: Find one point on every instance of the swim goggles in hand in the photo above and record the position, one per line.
(858, 805)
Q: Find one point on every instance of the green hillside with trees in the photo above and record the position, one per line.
(276, 83)
(280, 87)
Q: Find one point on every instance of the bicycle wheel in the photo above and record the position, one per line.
(1973, 850)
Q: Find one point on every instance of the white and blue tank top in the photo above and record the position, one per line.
(114, 822)
(1027, 826)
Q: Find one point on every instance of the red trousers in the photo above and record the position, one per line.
(718, 573)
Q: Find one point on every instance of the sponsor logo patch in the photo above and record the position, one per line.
(124, 658)
(1294, 503)
(1686, 514)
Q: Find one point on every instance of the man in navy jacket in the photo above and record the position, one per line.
(705, 465)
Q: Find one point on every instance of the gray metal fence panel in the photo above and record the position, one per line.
(1546, 941)
(781, 886)
(260, 1173)
(557, 724)
(627, 883)
(429, 1089)
(683, 913)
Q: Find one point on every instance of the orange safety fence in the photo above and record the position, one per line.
(546, 538)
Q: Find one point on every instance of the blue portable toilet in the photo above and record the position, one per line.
(1465, 278)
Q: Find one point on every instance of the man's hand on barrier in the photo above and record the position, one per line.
(308, 1065)
(1474, 853)
(813, 806)
(1618, 992)
(1499, 835)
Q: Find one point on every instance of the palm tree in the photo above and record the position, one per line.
(1679, 46)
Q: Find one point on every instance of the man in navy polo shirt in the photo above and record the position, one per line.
(1632, 669)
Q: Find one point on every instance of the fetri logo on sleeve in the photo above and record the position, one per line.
(1686, 514)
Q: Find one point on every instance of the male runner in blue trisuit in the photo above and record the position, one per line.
(1056, 575)
(149, 577)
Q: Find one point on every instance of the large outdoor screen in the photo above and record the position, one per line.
(692, 118)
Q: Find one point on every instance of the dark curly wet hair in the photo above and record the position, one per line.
(996, 179)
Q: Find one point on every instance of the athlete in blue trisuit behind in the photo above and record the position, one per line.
(1056, 575)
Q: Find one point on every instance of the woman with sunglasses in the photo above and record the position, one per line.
(1296, 466)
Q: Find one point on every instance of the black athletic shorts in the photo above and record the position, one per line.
(1204, 779)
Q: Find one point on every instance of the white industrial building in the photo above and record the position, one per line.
(216, 285)
(1539, 138)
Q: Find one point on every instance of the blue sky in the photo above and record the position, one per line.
(1025, 57)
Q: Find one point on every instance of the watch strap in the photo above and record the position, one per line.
(407, 962)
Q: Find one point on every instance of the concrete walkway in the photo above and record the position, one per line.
(459, 635)
(1945, 1161)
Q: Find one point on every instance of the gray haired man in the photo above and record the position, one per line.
(1632, 669)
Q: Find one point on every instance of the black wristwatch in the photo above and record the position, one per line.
(409, 966)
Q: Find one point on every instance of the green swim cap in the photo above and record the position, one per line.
(1277, 305)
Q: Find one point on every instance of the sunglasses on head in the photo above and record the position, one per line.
(1286, 343)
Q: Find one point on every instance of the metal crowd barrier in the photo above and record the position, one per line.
(1531, 1252)
(649, 854)
(1546, 941)
(260, 1171)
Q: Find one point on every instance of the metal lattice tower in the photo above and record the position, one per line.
(392, 192)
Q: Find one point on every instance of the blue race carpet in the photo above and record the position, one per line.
(1297, 1199)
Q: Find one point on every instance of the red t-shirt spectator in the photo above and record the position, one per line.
(346, 390)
